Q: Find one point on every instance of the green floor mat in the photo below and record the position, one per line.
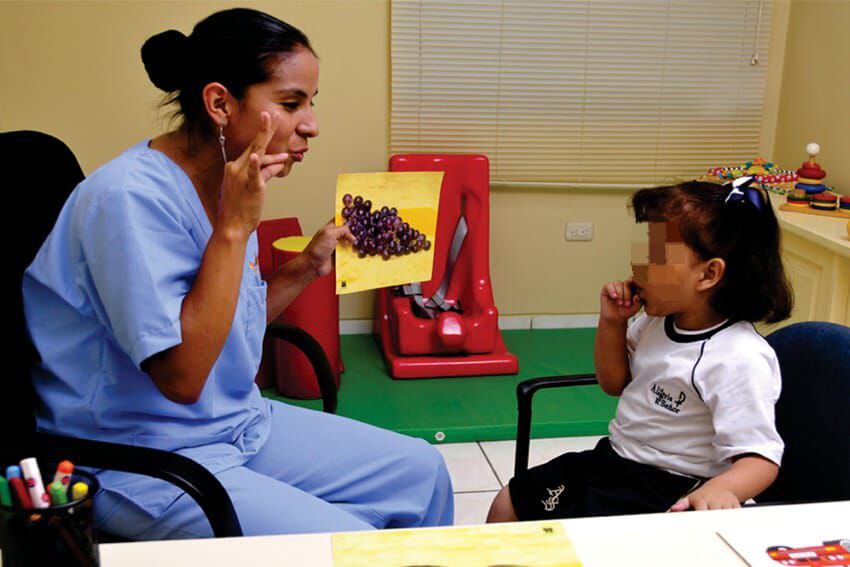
(481, 408)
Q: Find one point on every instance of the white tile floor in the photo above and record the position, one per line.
(479, 470)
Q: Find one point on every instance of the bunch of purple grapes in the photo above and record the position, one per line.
(380, 231)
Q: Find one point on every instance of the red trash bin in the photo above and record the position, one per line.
(316, 310)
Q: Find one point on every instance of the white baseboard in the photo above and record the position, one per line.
(506, 322)
(564, 321)
(514, 322)
(355, 326)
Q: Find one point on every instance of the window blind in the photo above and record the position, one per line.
(581, 92)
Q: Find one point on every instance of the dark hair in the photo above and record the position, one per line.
(754, 286)
(233, 47)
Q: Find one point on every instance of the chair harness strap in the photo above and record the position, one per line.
(437, 303)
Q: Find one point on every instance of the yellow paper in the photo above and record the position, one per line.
(528, 544)
(416, 195)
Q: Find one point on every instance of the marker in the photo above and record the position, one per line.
(32, 475)
(58, 495)
(63, 475)
(5, 495)
(79, 490)
(16, 483)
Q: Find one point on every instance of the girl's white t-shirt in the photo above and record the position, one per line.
(697, 399)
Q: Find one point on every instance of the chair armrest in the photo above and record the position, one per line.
(525, 391)
(315, 354)
(183, 472)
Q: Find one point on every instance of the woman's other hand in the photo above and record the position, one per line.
(243, 189)
(319, 253)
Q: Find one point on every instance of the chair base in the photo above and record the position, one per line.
(500, 361)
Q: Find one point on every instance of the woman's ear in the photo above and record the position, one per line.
(217, 103)
(712, 274)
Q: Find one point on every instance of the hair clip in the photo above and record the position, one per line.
(742, 191)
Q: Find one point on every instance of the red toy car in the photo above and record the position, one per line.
(833, 553)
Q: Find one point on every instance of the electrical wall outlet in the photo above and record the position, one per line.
(579, 231)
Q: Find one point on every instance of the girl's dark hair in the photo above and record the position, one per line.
(234, 47)
(754, 286)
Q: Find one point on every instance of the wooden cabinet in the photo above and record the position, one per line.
(816, 254)
(820, 278)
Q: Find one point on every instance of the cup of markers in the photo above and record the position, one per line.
(47, 520)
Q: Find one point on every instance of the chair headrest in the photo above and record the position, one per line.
(41, 171)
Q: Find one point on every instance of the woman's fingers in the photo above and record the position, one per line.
(348, 236)
(324, 241)
(341, 233)
(272, 164)
(270, 171)
(253, 167)
(261, 141)
(269, 159)
(264, 136)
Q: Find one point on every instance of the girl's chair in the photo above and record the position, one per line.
(811, 414)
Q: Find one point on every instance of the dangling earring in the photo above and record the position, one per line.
(221, 140)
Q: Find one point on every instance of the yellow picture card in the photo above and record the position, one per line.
(532, 544)
(416, 196)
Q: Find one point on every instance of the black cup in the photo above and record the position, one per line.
(60, 535)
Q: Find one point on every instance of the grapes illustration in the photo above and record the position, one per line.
(380, 231)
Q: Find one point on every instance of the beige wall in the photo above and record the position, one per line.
(73, 69)
(815, 99)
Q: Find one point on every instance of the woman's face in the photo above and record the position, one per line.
(288, 97)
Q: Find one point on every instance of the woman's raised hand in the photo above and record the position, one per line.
(319, 252)
(619, 302)
(243, 189)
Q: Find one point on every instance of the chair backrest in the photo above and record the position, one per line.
(465, 191)
(40, 173)
(267, 233)
(812, 413)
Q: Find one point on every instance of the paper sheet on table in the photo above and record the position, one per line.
(795, 545)
(416, 195)
(527, 544)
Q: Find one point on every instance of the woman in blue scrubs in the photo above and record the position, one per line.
(148, 310)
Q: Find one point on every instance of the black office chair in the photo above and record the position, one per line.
(41, 171)
(811, 414)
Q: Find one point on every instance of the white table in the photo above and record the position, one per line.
(656, 540)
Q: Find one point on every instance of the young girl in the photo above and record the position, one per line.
(694, 427)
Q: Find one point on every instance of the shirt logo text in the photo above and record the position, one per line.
(666, 401)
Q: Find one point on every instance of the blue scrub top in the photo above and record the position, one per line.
(105, 292)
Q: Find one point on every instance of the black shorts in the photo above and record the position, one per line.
(598, 482)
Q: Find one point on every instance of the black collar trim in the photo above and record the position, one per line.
(676, 337)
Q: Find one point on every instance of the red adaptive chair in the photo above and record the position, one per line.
(315, 310)
(448, 326)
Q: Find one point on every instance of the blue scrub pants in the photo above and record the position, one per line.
(317, 472)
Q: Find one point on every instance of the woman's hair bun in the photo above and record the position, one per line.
(164, 56)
